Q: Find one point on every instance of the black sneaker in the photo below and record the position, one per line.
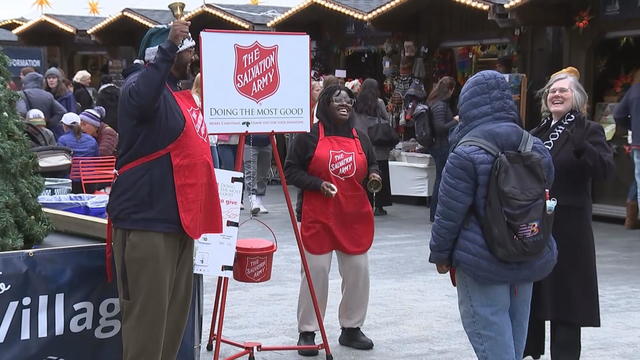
(379, 211)
(354, 338)
(307, 338)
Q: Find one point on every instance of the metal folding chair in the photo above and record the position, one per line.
(93, 170)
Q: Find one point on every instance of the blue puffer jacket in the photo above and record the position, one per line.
(487, 111)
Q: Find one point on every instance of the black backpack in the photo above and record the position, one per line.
(516, 224)
(423, 122)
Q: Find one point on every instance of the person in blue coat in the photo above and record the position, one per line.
(82, 144)
(493, 296)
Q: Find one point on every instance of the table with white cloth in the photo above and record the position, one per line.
(414, 177)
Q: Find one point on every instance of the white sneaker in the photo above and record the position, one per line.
(255, 204)
(263, 210)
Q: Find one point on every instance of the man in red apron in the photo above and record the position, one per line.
(331, 164)
(164, 197)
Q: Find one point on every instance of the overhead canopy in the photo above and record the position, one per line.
(258, 15)
(442, 19)
(211, 16)
(311, 11)
(7, 36)
(11, 24)
(543, 12)
(51, 29)
(127, 27)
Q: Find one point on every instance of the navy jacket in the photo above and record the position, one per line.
(149, 119)
(627, 112)
(487, 111)
(68, 102)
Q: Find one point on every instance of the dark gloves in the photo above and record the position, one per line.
(579, 137)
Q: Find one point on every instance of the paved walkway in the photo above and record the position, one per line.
(413, 310)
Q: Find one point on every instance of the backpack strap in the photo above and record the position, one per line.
(481, 143)
(25, 97)
(526, 144)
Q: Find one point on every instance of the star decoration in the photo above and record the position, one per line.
(254, 2)
(94, 7)
(42, 4)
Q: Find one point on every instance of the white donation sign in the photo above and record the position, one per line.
(214, 253)
(255, 82)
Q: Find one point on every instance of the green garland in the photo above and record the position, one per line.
(22, 222)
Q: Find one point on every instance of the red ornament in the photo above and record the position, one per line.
(583, 19)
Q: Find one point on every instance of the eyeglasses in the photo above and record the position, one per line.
(560, 90)
(343, 101)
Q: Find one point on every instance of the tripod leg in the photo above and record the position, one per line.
(296, 231)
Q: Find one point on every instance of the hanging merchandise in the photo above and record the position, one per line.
(443, 64)
(387, 66)
(409, 48)
(402, 83)
(464, 63)
(419, 70)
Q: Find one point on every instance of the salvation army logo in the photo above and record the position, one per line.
(256, 75)
(198, 123)
(256, 267)
(342, 164)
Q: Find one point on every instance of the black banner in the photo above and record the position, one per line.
(56, 304)
(20, 57)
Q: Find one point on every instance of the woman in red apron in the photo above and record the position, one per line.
(331, 164)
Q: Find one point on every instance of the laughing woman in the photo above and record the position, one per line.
(568, 297)
(330, 165)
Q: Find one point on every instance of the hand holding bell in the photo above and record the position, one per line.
(179, 31)
(374, 184)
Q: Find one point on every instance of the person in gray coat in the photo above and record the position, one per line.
(33, 96)
(367, 111)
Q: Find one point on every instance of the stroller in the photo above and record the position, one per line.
(53, 161)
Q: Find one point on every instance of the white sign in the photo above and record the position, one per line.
(341, 73)
(214, 253)
(255, 82)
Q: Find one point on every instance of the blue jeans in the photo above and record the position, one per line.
(227, 154)
(494, 316)
(636, 160)
(440, 155)
(214, 155)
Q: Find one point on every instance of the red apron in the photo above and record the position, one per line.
(193, 175)
(344, 222)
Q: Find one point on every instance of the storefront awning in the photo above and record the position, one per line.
(212, 16)
(7, 36)
(352, 8)
(258, 15)
(127, 27)
(11, 24)
(51, 29)
(415, 16)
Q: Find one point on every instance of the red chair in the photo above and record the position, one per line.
(93, 170)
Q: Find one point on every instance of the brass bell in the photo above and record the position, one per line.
(177, 8)
(374, 185)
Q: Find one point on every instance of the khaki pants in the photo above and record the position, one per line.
(154, 277)
(354, 270)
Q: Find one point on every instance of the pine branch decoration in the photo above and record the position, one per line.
(22, 222)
